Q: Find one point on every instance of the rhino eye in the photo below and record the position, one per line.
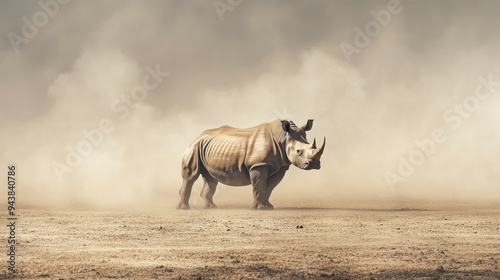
(299, 152)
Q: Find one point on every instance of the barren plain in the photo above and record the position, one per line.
(373, 241)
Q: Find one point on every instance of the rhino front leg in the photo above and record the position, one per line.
(208, 191)
(272, 182)
(258, 177)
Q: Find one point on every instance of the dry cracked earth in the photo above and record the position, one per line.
(371, 242)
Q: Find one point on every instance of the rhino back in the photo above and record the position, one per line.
(228, 153)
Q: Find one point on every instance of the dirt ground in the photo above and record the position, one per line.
(372, 242)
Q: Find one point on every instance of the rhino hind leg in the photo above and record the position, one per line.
(208, 191)
(185, 193)
(191, 169)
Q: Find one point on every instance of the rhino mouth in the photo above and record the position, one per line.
(312, 165)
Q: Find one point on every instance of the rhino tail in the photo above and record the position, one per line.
(191, 162)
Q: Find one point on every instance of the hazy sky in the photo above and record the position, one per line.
(67, 67)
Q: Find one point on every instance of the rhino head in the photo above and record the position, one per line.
(299, 152)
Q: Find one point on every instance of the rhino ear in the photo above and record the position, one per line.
(286, 125)
(308, 125)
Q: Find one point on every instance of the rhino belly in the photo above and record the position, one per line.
(230, 176)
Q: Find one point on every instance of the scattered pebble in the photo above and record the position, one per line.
(166, 269)
(440, 269)
(228, 229)
(299, 226)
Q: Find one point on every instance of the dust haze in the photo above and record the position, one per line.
(262, 61)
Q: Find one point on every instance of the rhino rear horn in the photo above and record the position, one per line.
(313, 146)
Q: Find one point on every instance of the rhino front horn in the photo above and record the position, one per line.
(322, 149)
(313, 146)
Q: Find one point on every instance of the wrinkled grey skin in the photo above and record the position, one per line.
(260, 156)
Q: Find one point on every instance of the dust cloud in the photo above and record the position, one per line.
(262, 61)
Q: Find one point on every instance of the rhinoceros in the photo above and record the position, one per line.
(259, 156)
